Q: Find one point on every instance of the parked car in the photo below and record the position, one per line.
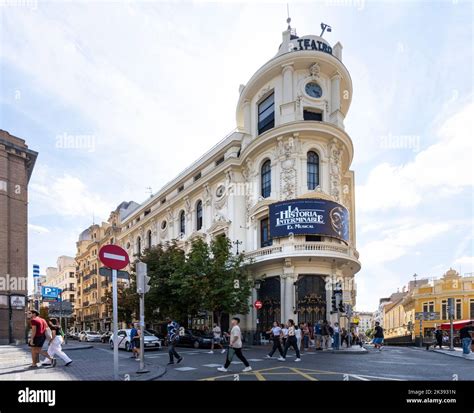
(89, 336)
(151, 341)
(195, 338)
(105, 337)
(73, 335)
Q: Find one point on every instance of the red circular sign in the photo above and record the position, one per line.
(114, 257)
(258, 304)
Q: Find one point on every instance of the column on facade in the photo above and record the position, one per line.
(336, 115)
(282, 297)
(247, 116)
(289, 301)
(287, 108)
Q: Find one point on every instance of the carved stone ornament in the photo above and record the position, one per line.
(315, 71)
(170, 215)
(288, 178)
(207, 194)
(187, 206)
(335, 170)
(264, 91)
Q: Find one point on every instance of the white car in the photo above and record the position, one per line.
(89, 336)
(151, 341)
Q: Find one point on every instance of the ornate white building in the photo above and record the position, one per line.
(280, 186)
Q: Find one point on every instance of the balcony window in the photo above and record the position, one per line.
(266, 179)
(266, 114)
(312, 167)
(265, 240)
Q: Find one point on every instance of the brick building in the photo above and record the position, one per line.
(16, 165)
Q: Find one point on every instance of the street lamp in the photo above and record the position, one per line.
(237, 243)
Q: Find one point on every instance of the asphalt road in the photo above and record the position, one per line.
(393, 363)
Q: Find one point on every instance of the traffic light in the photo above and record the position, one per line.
(341, 305)
(142, 278)
(334, 302)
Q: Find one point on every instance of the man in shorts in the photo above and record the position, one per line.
(38, 337)
(378, 336)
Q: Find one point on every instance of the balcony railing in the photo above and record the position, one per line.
(85, 304)
(310, 248)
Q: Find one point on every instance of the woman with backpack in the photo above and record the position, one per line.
(56, 342)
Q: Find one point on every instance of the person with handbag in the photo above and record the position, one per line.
(39, 333)
(55, 344)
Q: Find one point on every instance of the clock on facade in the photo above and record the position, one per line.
(313, 90)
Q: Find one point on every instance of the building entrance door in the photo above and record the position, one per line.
(269, 295)
(311, 299)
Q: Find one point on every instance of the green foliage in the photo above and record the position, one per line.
(183, 285)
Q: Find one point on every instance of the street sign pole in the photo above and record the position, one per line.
(142, 285)
(451, 326)
(421, 332)
(115, 317)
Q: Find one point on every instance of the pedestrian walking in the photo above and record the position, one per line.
(439, 337)
(56, 342)
(318, 336)
(39, 333)
(291, 342)
(299, 336)
(337, 333)
(276, 332)
(306, 336)
(466, 339)
(173, 338)
(134, 341)
(284, 334)
(326, 332)
(216, 339)
(235, 347)
(378, 336)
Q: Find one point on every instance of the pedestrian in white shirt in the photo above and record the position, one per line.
(276, 332)
(235, 347)
(291, 342)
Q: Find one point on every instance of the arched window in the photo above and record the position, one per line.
(139, 246)
(312, 167)
(182, 223)
(148, 235)
(266, 178)
(199, 216)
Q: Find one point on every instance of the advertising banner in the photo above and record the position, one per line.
(309, 217)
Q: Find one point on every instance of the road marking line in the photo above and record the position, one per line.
(307, 376)
(212, 365)
(185, 368)
(358, 377)
(259, 376)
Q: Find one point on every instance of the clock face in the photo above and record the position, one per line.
(313, 90)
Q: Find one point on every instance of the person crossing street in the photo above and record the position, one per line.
(173, 338)
(277, 333)
(291, 341)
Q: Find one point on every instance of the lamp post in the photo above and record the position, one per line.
(237, 243)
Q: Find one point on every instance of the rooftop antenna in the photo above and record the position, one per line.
(288, 20)
(325, 27)
(149, 190)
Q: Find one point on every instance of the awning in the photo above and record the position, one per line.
(457, 325)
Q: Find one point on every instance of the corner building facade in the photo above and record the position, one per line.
(280, 187)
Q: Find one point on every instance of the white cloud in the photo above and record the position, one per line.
(400, 240)
(444, 168)
(67, 195)
(38, 228)
(466, 263)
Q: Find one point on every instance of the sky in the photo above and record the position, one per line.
(143, 88)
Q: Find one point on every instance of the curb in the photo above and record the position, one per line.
(77, 348)
(349, 352)
(453, 355)
(165, 370)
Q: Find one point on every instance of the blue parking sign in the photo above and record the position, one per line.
(50, 293)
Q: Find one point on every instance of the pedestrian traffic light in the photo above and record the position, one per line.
(142, 278)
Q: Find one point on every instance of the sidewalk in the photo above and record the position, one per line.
(89, 363)
(457, 352)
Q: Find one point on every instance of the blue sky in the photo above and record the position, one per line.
(115, 75)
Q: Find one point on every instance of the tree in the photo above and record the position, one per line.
(228, 283)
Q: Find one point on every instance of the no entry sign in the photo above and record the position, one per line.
(114, 257)
(258, 304)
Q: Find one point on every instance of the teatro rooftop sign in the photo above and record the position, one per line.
(310, 43)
